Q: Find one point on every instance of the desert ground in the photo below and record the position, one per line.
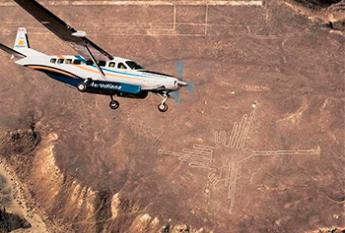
(258, 146)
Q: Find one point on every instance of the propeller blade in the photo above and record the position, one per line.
(190, 87)
(180, 70)
(176, 96)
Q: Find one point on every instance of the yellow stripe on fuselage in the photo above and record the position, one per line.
(52, 70)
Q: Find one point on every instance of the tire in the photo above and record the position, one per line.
(163, 107)
(82, 87)
(114, 104)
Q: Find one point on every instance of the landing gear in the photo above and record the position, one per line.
(114, 104)
(163, 107)
(83, 85)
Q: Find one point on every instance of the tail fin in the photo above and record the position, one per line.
(22, 41)
(22, 44)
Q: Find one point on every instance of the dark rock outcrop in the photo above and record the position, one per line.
(10, 222)
(19, 141)
(317, 3)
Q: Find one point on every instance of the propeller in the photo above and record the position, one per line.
(176, 95)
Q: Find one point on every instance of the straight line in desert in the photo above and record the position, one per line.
(148, 3)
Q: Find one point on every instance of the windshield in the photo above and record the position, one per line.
(134, 66)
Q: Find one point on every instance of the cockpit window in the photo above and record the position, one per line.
(53, 60)
(112, 64)
(121, 66)
(134, 66)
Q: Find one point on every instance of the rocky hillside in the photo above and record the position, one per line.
(330, 14)
(318, 3)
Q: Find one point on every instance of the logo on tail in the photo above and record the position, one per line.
(21, 39)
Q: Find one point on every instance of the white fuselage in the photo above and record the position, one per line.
(116, 70)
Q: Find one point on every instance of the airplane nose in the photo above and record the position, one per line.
(178, 83)
(182, 83)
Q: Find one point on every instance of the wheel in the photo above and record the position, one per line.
(163, 107)
(82, 87)
(114, 104)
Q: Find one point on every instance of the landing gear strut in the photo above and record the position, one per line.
(114, 104)
(163, 107)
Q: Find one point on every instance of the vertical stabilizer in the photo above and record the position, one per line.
(22, 41)
(22, 44)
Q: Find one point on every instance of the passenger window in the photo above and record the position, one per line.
(121, 66)
(89, 62)
(53, 60)
(112, 64)
(102, 63)
(68, 61)
(77, 62)
(60, 61)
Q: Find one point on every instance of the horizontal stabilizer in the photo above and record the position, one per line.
(11, 51)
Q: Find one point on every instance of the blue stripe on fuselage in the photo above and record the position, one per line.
(64, 79)
(126, 88)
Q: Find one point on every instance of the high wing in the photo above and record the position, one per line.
(11, 51)
(64, 31)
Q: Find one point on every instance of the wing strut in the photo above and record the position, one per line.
(94, 60)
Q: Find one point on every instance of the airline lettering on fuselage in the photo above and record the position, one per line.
(106, 86)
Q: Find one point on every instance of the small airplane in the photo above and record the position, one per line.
(94, 70)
